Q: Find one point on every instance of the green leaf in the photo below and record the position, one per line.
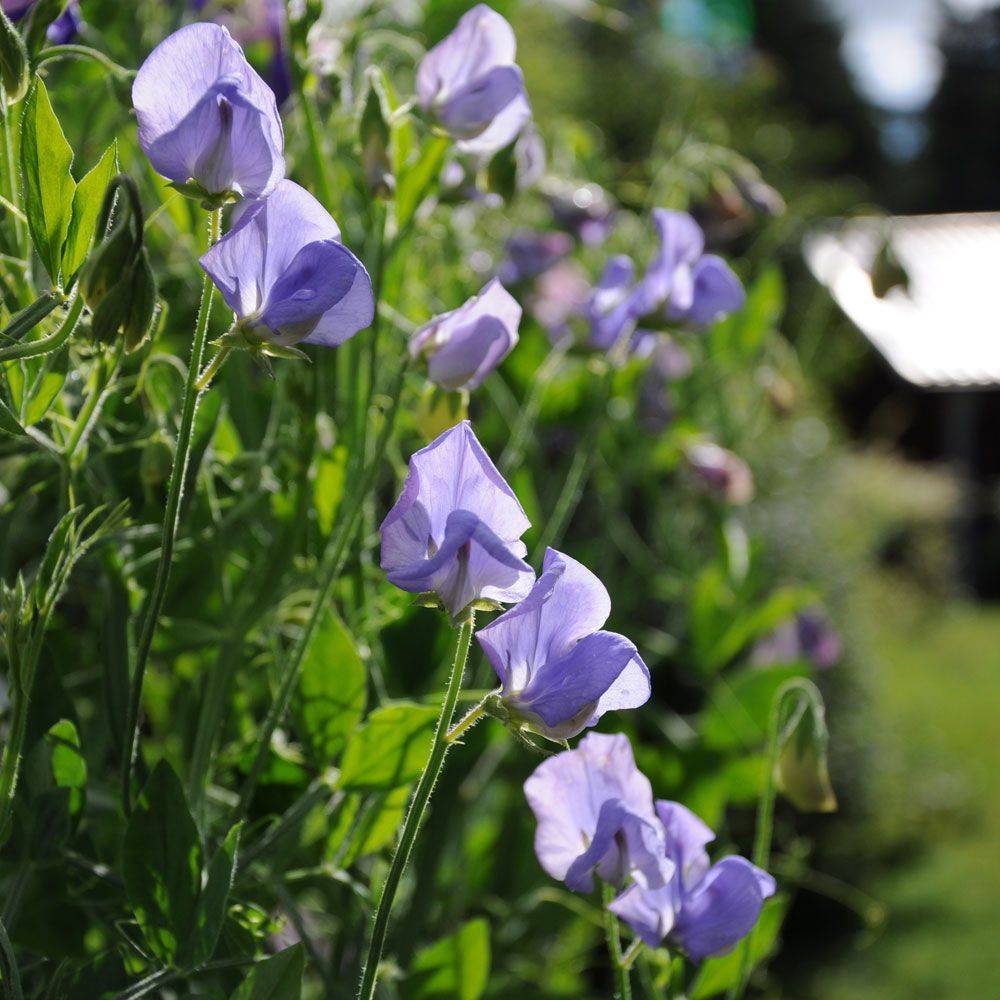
(46, 386)
(390, 749)
(162, 860)
(69, 768)
(716, 975)
(455, 968)
(213, 899)
(8, 421)
(740, 706)
(369, 821)
(277, 978)
(46, 158)
(333, 690)
(86, 207)
(328, 487)
(417, 179)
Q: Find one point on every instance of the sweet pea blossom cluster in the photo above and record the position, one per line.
(210, 125)
(596, 816)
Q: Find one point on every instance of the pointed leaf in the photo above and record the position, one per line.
(86, 207)
(8, 421)
(277, 978)
(212, 904)
(333, 690)
(455, 968)
(46, 158)
(390, 749)
(47, 386)
(162, 861)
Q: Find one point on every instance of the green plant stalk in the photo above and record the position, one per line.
(415, 814)
(12, 754)
(81, 52)
(332, 563)
(765, 817)
(91, 409)
(623, 981)
(171, 521)
(12, 193)
(55, 340)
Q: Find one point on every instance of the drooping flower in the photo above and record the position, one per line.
(455, 530)
(207, 121)
(721, 472)
(595, 814)
(560, 672)
(471, 84)
(529, 254)
(285, 274)
(704, 909)
(463, 346)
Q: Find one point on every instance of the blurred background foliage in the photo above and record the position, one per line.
(760, 119)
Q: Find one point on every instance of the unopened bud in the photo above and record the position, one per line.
(14, 70)
(802, 774)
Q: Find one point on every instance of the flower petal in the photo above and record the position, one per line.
(649, 912)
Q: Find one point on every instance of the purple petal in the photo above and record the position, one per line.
(567, 603)
(630, 689)
(482, 40)
(565, 693)
(669, 276)
(716, 293)
(649, 912)
(567, 793)
(723, 908)
(204, 113)
(471, 108)
(501, 131)
(686, 836)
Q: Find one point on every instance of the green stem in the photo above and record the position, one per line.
(765, 814)
(81, 52)
(623, 982)
(171, 521)
(205, 378)
(466, 723)
(334, 556)
(91, 409)
(55, 340)
(13, 195)
(415, 814)
(12, 754)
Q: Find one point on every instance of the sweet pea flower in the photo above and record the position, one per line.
(687, 284)
(455, 530)
(806, 636)
(207, 121)
(463, 346)
(472, 86)
(704, 909)
(595, 814)
(560, 295)
(61, 31)
(559, 671)
(610, 309)
(721, 472)
(285, 274)
(529, 254)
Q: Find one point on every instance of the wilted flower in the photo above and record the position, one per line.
(463, 346)
(529, 254)
(560, 294)
(704, 909)
(721, 472)
(455, 530)
(595, 814)
(285, 274)
(806, 636)
(559, 671)
(471, 84)
(207, 121)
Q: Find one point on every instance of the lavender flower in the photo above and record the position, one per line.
(560, 673)
(470, 83)
(806, 636)
(61, 31)
(285, 274)
(463, 346)
(455, 530)
(585, 210)
(595, 815)
(207, 121)
(529, 254)
(560, 294)
(704, 909)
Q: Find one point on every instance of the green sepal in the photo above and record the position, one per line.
(192, 189)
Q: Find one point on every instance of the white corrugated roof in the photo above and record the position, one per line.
(945, 330)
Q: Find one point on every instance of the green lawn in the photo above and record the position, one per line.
(936, 687)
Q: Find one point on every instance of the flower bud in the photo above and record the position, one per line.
(14, 71)
(802, 773)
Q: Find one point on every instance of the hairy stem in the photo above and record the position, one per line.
(55, 340)
(171, 521)
(415, 814)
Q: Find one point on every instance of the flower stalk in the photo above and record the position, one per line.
(623, 981)
(415, 814)
(171, 522)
